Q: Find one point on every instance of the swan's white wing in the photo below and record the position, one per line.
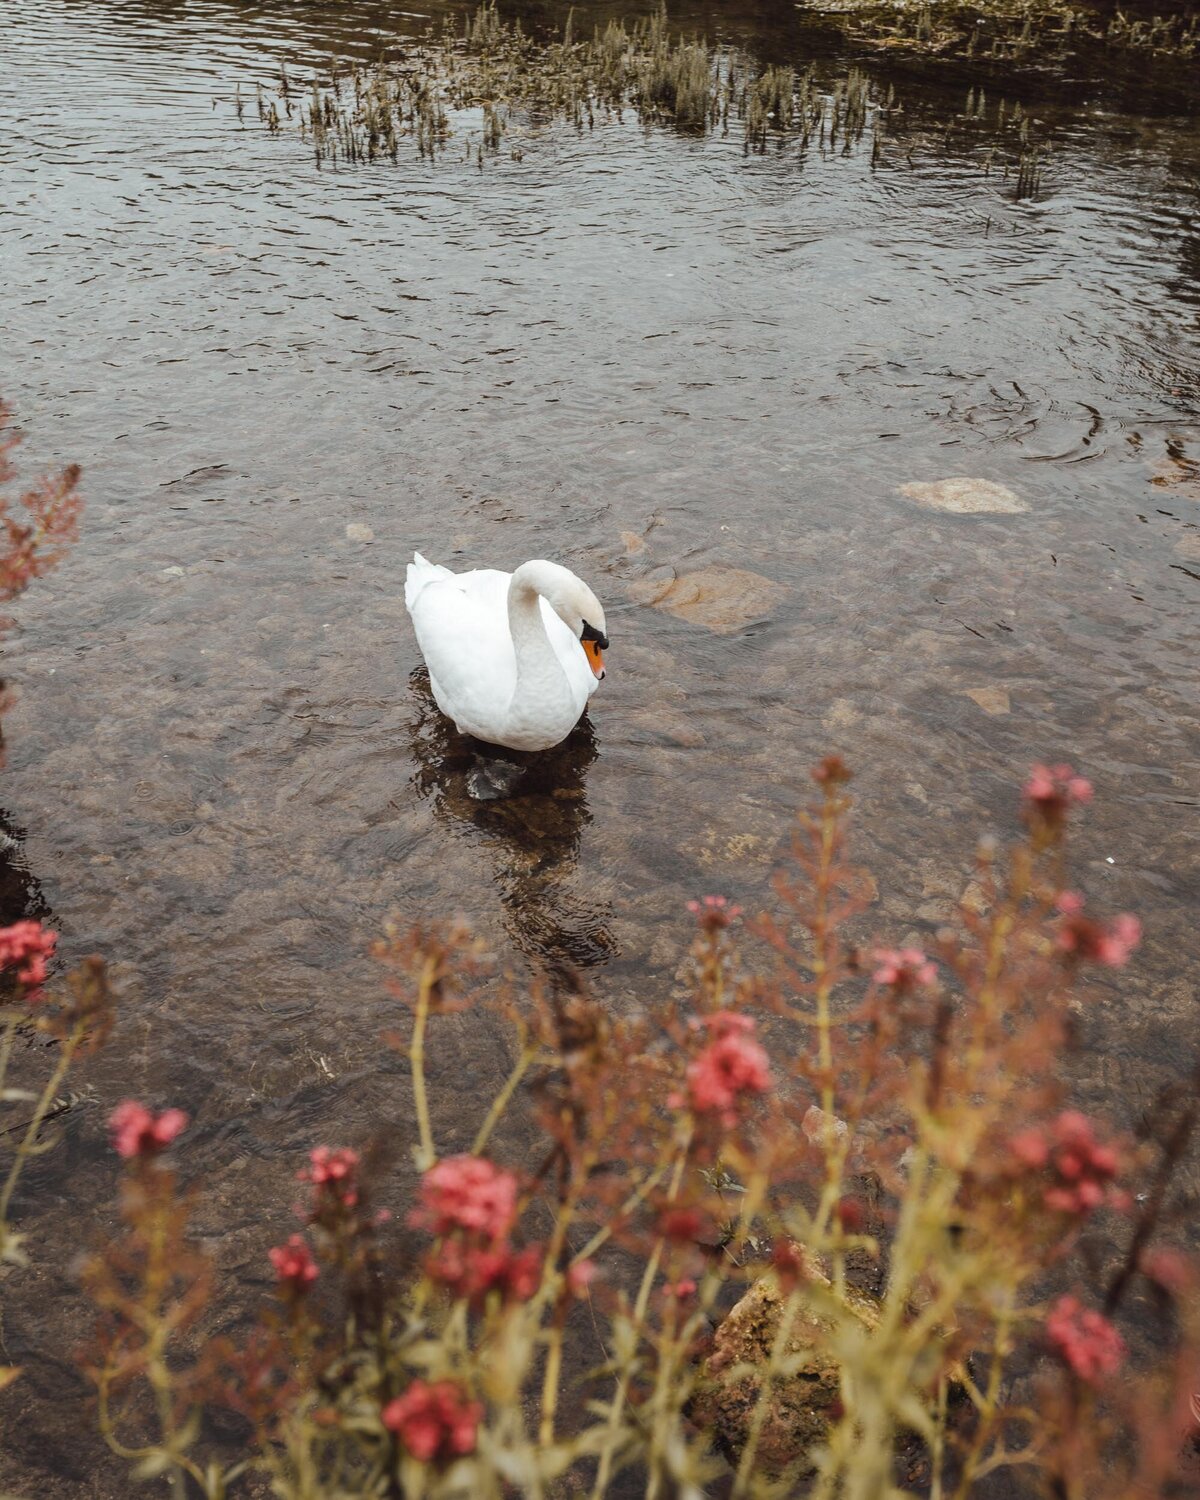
(461, 623)
(418, 573)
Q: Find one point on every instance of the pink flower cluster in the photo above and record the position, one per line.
(679, 1291)
(1052, 791)
(790, 1264)
(29, 945)
(713, 913)
(468, 1193)
(680, 1224)
(138, 1132)
(1080, 1169)
(731, 1067)
(472, 1205)
(851, 1215)
(294, 1265)
(332, 1173)
(472, 1270)
(1173, 1271)
(1102, 942)
(904, 969)
(1085, 1340)
(435, 1422)
(832, 771)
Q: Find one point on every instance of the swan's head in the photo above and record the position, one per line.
(579, 610)
(595, 644)
(585, 616)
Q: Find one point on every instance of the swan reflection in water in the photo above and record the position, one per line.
(21, 895)
(527, 810)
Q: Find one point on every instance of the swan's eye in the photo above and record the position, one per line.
(595, 656)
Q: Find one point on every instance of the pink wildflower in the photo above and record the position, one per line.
(332, 1173)
(1029, 1149)
(469, 1193)
(329, 1165)
(1085, 1340)
(466, 1270)
(523, 1273)
(1052, 791)
(1173, 1271)
(1118, 940)
(137, 1132)
(681, 1290)
(471, 1271)
(905, 969)
(29, 945)
(294, 1265)
(580, 1276)
(435, 1422)
(1079, 1169)
(850, 1215)
(790, 1264)
(1106, 943)
(713, 913)
(832, 771)
(682, 1225)
(730, 1067)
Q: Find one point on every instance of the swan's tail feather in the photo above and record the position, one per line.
(420, 572)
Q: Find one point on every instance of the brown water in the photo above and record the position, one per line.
(643, 354)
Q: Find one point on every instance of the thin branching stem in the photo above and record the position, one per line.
(70, 1045)
(427, 1153)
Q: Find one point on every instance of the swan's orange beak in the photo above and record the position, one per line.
(595, 657)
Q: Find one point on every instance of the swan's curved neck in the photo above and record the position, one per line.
(538, 668)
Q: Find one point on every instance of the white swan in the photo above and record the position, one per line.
(512, 657)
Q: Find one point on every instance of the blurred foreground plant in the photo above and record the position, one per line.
(869, 1147)
(31, 545)
(75, 1015)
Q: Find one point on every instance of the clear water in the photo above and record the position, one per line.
(643, 354)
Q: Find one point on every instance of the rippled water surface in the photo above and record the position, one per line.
(642, 353)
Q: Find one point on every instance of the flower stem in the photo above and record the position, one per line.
(617, 1408)
(427, 1154)
(550, 1383)
(501, 1101)
(70, 1045)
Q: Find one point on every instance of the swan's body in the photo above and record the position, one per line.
(512, 657)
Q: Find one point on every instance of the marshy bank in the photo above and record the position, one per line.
(699, 374)
(485, 87)
(494, 77)
(479, 84)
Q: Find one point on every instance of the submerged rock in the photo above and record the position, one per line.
(966, 497)
(721, 599)
(801, 1404)
(1179, 475)
(741, 833)
(635, 545)
(993, 700)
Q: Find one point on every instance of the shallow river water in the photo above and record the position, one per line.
(637, 351)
